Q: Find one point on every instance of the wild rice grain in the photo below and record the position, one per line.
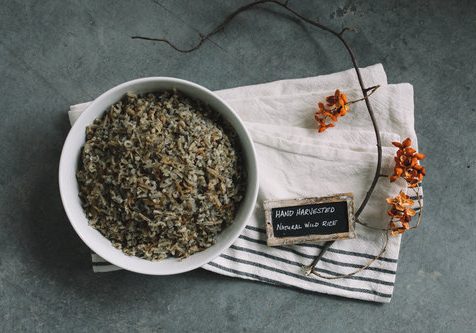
(160, 175)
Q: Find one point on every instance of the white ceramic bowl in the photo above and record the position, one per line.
(69, 186)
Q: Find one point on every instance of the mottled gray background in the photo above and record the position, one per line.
(57, 53)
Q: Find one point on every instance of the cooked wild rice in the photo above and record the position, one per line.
(160, 175)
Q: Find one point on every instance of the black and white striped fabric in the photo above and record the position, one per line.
(294, 161)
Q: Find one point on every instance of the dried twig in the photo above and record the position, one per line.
(369, 90)
(310, 269)
(365, 91)
(420, 205)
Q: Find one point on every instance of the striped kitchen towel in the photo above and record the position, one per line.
(294, 161)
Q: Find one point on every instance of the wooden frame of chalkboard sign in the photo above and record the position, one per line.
(307, 220)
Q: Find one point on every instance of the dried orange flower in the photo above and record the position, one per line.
(401, 213)
(407, 164)
(336, 106)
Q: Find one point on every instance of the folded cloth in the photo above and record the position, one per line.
(294, 161)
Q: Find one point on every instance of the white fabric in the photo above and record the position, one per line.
(295, 161)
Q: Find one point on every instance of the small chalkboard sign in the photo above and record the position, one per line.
(309, 219)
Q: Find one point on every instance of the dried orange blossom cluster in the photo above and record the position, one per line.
(336, 106)
(401, 213)
(407, 166)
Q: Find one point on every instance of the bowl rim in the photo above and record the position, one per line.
(252, 169)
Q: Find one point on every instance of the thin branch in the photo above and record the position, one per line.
(344, 30)
(170, 43)
(339, 35)
(310, 270)
(230, 17)
(369, 91)
(420, 204)
(371, 227)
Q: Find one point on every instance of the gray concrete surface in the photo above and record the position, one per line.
(55, 53)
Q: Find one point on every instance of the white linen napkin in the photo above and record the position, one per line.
(295, 161)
